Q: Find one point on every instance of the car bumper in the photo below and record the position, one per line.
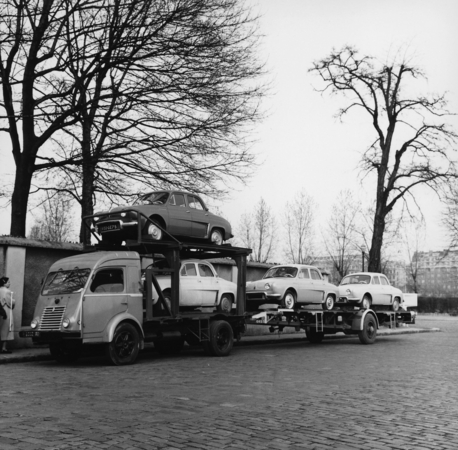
(348, 300)
(46, 337)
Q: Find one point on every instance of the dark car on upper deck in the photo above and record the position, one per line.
(180, 214)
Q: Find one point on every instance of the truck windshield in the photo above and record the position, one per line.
(280, 272)
(65, 281)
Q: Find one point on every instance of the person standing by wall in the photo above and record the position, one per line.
(6, 325)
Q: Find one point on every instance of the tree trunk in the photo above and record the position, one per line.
(375, 253)
(19, 201)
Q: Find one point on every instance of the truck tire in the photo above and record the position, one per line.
(124, 347)
(369, 332)
(65, 353)
(221, 339)
(313, 336)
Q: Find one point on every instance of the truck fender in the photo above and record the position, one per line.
(358, 320)
(115, 321)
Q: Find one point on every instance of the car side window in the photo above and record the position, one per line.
(195, 203)
(189, 270)
(177, 200)
(384, 281)
(205, 271)
(108, 281)
(304, 273)
(375, 280)
(315, 274)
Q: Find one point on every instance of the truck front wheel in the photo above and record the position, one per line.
(124, 347)
(221, 339)
(369, 332)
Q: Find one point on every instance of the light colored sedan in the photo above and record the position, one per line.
(200, 286)
(367, 289)
(291, 286)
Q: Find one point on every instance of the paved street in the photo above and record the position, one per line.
(399, 393)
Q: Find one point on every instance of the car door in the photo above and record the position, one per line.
(200, 217)
(386, 290)
(180, 217)
(376, 291)
(305, 292)
(105, 297)
(318, 285)
(190, 286)
(209, 283)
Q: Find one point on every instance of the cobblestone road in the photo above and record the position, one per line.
(399, 393)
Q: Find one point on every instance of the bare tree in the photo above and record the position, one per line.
(158, 93)
(343, 234)
(56, 221)
(258, 231)
(299, 226)
(412, 144)
(414, 237)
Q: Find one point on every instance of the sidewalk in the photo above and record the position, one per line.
(42, 353)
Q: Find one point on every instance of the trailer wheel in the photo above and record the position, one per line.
(221, 339)
(329, 303)
(225, 305)
(124, 347)
(314, 337)
(65, 353)
(289, 300)
(395, 305)
(369, 332)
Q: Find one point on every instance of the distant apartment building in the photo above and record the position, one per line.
(435, 273)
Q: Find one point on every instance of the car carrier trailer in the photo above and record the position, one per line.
(316, 324)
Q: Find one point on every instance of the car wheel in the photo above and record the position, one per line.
(125, 345)
(154, 231)
(168, 300)
(329, 303)
(369, 332)
(289, 300)
(216, 237)
(221, 339)
(225, 305)
(64, 353)
(366, 302)
(395, 305)
(313, 336)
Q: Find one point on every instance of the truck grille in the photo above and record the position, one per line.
(51, 319)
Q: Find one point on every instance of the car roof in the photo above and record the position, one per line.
(168, 191)
(298, 266)
(365, 273)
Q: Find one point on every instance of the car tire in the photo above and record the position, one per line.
(125, 345)
(313, 336)
(216, 237)
(225, 305)
(168, 299)
(369, 332)
(221, 339)
(366, 302)
(153, 230)
(289, 299)
(396, 304)
(329, 303)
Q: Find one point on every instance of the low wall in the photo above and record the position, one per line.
(438, 305)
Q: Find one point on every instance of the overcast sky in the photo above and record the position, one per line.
(300, 143)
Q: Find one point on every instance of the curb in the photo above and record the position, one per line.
(43, 354)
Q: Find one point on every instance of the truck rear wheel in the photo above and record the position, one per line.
(369, 332)
(124, 347)
(221, 339)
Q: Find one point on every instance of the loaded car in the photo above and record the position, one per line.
(200, 287)
(177, 213)
(291, 286)
(368, 289)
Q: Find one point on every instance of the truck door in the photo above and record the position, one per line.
(105, 297)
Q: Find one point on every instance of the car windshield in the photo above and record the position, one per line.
(65, 281)
(153, 198)
(356, 279)
(280, 272)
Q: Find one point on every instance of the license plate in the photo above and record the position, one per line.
(30, 334)
(109, 227)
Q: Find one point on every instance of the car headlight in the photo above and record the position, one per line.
(96, 219)
(348, 292)
(34, 323)
(123, 214)
(267, 286)
(66, 323)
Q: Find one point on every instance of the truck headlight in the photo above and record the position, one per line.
(66, 323)
(34, 323)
